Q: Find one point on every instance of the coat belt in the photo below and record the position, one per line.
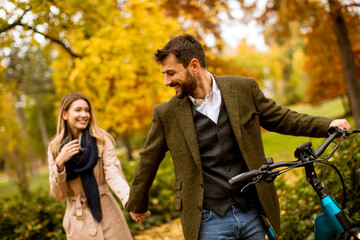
(80, 201)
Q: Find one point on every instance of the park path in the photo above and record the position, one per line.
(170, 231)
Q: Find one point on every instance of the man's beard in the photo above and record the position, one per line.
(188, 87)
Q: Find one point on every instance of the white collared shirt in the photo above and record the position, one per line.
(210, 106)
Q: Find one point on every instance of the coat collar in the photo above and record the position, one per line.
(185, 119)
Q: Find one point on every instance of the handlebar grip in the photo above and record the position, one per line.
(243, 177)
(334, 132)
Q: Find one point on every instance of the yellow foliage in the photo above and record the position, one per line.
(170, 231)
(117, 71)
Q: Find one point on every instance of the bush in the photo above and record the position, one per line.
(299, 203)
(162, 195)
(31, 216)
(37, 215)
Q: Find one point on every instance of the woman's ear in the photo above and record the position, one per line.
(64, 115)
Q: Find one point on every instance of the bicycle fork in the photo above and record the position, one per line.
(268, 229)
(333, 221)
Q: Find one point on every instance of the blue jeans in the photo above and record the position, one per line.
(235, 224)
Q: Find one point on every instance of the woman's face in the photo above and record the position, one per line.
(77, 117)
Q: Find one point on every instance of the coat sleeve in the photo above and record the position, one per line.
(58, 184)
(151, 156)
(113, 173)
(280, 119)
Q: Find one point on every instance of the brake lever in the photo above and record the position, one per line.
(250, 184)
(269, 178)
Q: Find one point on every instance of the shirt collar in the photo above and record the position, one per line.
(214, 89)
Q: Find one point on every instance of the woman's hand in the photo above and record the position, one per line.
(66, 153)
(140, 217)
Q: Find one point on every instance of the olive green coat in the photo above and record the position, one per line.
(173, 129)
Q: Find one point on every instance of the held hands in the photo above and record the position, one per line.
(140, 217)
(66, 153)
(341, 124)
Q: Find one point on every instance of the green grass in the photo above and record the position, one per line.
(332, 109)
(41, 181)
(281, 147)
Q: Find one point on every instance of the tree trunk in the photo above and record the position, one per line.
(30, 156)
(347, 59)
(22, 180)
(42, 125)
(16, 169)
(126, 142)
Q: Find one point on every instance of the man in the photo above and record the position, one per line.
(212, 130)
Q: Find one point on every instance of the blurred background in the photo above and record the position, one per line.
(305, 54)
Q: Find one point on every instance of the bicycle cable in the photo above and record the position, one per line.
(326, 160)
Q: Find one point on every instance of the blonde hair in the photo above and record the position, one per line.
(63, 133)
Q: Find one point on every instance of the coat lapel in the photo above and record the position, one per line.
(231, 100)
(185, 119)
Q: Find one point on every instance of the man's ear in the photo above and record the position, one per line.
(194, 65)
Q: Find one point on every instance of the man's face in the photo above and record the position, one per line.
(178, 77)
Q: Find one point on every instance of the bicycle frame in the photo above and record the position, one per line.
(333, 222)
(328, 225)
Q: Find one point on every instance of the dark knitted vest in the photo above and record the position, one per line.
(221, 159)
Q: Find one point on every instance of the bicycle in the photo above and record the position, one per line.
(333, 223)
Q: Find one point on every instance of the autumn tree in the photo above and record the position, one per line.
(247, 61)
(26, 86)
(14, 140)
(103, 49)
(347, 57)
(200, 18)
(117, 71)
(28, 69)
(58, 22)
(321, 24)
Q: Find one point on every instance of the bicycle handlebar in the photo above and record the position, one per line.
(334, 133)
(244, 177)
(266, 170)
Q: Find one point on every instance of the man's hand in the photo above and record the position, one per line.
(341, 124)
(140, 217)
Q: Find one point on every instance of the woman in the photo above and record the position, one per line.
(83, 165)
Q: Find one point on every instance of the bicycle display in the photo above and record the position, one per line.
(333, 223)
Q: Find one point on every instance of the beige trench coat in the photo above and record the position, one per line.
(78, 222)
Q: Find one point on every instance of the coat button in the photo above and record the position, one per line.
(199, 208)
(201, 186)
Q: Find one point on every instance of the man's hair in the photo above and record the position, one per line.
(185, 48)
